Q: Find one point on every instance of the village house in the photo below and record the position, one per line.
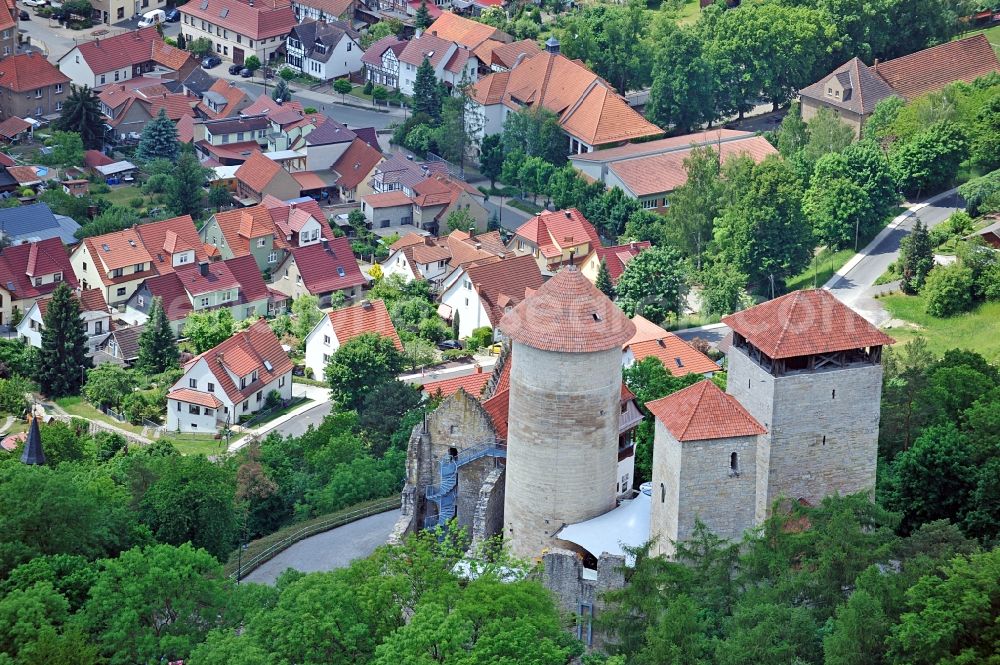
(320, 270)
(453, 64)
(340, 326)
(9, 28)
(616, 258)
(230, 382)
(31, 271)
(323, 10)
(678, 357)
(124, 56)
(95, 319)
(235, 284)
(402, 173)
(121, 347)
(425, 257)
(128, 107)
(354, 167)
(239, 28)
(110, 12)
(77, 187)
(31, 86)
(381, 61)
(852, 90)
(34, 222)
(556, 239)
(590, 112)
(481, 293)
(197, 83)
(649, 172)
(230, 141)
(324, 49)
(224, 99)
(260, 176)
(433, 198)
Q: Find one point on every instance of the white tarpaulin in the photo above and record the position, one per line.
(627, 525)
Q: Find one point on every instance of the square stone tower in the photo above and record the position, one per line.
(808, 369)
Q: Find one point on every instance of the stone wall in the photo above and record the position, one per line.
(488, 519)
(666, 473)
(471, 479)
(579, 591)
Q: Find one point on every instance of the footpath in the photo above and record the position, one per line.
(315, 394)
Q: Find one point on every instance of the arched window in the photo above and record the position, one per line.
(734, 464)
(663, 493)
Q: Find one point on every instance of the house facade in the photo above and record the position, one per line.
(94, 318)
(453, 64)
(259, 176)
(31, 271)
(381, 61)
(320, 269)
(109, 12)
(556, 239)
(342, 325)
(482, 293)
(324, 50)
(323, 10)
(31, 86)
(239, 29)
(125, 56)
(230, 382)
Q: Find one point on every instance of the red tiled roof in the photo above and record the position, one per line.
(388, 199)
(863, 89)
(501, 284)
(308, 180)
(198, 397)
(425, 46)
(91, 300)
(246, 272)
(234, 97)
(117, 250)
(617, 257)
(12, 126)
(24, 175)
(805, 323)
(464, 31)
(932, 69)
(470, 383)
(94, 158)
(678, 357)
(373, 54)
(334, 8)
(567, 314)
(264, 104)
(26, 71)
(243, 353)
(498, 408)
(350, 322)
(6, 160)
(164, 238)
(260, 20)
(321, 268)
(702, 412)
(505, 55)
(128, 49)
(559, 231)
(21, 263)
(170, 290)
(257, 171)
(217, 278)
(356, 163)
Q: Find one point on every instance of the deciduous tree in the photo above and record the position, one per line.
(108, 384)
(208, 329)
(653, 284)
(361, 365)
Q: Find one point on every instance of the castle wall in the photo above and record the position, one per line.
(663, 519)
(579, 591)
(488, 519)
(471, 478)
(562, 443)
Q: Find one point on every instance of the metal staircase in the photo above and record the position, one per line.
(445, 494)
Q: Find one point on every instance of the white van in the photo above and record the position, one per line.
(154, 17)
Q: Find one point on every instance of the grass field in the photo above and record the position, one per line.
(122, 196)
(196, 444)
(78, 406)
(975, 330)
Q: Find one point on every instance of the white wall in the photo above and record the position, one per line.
(317, 347)
(464, 300)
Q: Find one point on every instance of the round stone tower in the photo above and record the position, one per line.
(565, 400)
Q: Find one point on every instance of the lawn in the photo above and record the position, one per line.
(689, 12)
(78, 406)
(122, 196)
(975, 330)
(277, 413)
(196, 444)
(526, 206)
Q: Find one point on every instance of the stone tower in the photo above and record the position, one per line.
(565, 396)
(808, 369)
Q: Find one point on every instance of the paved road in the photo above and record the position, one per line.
(298, 426)
(713, 334)
(57, 41)
(329, 550)
(855, 287)
(328, 104)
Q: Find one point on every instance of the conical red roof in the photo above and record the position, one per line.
(570, 315)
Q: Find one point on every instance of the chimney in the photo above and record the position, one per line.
(568, 214)
(552, 45)
(366, 304)
(472, 232)
(203, 268)
(326, 245)
(875, 65)
(479, 369)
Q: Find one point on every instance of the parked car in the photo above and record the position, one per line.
(174, 15)
(450, 345)
(155, 17)
(23, 15)
(495, 349)
(211, 61)
(246, 73)
(34, 3)
(235, 69)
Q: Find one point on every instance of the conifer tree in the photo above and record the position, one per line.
(63, 358)
(281, 92)
(916, 258)
(181, 41)
(426, 92)
(422, 19)
(604, 283)
(456, 325)
(159, 139)
(157, 350)
(184, 197)
(81, 113)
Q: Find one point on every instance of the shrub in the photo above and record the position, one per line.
(948, 290)
(479, 338)
(369, 86)
(136, 202)
(310, 109)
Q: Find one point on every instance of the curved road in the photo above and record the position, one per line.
(329, 550)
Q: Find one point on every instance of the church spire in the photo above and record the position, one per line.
(33, 453)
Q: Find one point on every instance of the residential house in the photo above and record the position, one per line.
(111, 12)
(342, 325)
(324, 143)
(76, 188)
(34, 222)
(94, 158)
(94, 317)
(31, 86)
(424, 257)
(481, 293)
(355, 167)
(466, 32)
(235, 284)
(121, 347)
(324, 50)
(433, 198)
(259, 176)
(320, 269)
(852, 90)
(589, 111)
(501, 57)
(556, 239)
(381, 61)
(119, 262)
(230, 141)
(678, 357)
(239, 28)
(323, 10)
(616, 258)
(453, 64)
(198, 82)
(124, 56)
(651, 171)
(230, 382)
(399, 172)
(128, 107)
(224, 99)
(266, 231)
(31, 271)
(9, 28)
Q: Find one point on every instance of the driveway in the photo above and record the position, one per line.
(329, 550)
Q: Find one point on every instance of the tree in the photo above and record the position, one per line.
(67, 149)
(26, 613)
(491, 157)
(186, 192)
(252, 63)
(209, 329)
(793, 133)
(534, 132)
(63, 357)
(948, 290)
(307, 314)
(653, 284)
(62, 203)
(381, 29)
(611, 40)
(603, 282)
(916, 258)
(683, 92)
(282, 93)
(426, 92)
(159, 139)
(460, 220)
(108, 384)
(456, 325)
(930, 160)
(695, 204)
(358, 367)
(723, 290)
(114, 218)
(460, 125)
(13, 395)
(156, 603)
(81, 113)
(181, 41)
(379, 94)
(827, 134)
(218, 196)
(383, 410)
(342, 87)
(422, 19)
(836, 209)
(158, 350)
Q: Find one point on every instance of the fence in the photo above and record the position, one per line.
(276, 548)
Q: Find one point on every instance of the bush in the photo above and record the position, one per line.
(156, 184)
(479, 338)
(287, 73)
(369, 86)
(309, 110)
(978, 191)
(948, 290)
(136, 202)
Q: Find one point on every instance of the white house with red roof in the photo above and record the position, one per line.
(342, 325)
(424, 257)
(381, 61)
(452, 63)
(678, 357)
(125, 56)
(615, 257)
(95, 318)
(230, 382)
(556, 239)
(320, 269)
(239, 28)
(31, 271)
(482, 292)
